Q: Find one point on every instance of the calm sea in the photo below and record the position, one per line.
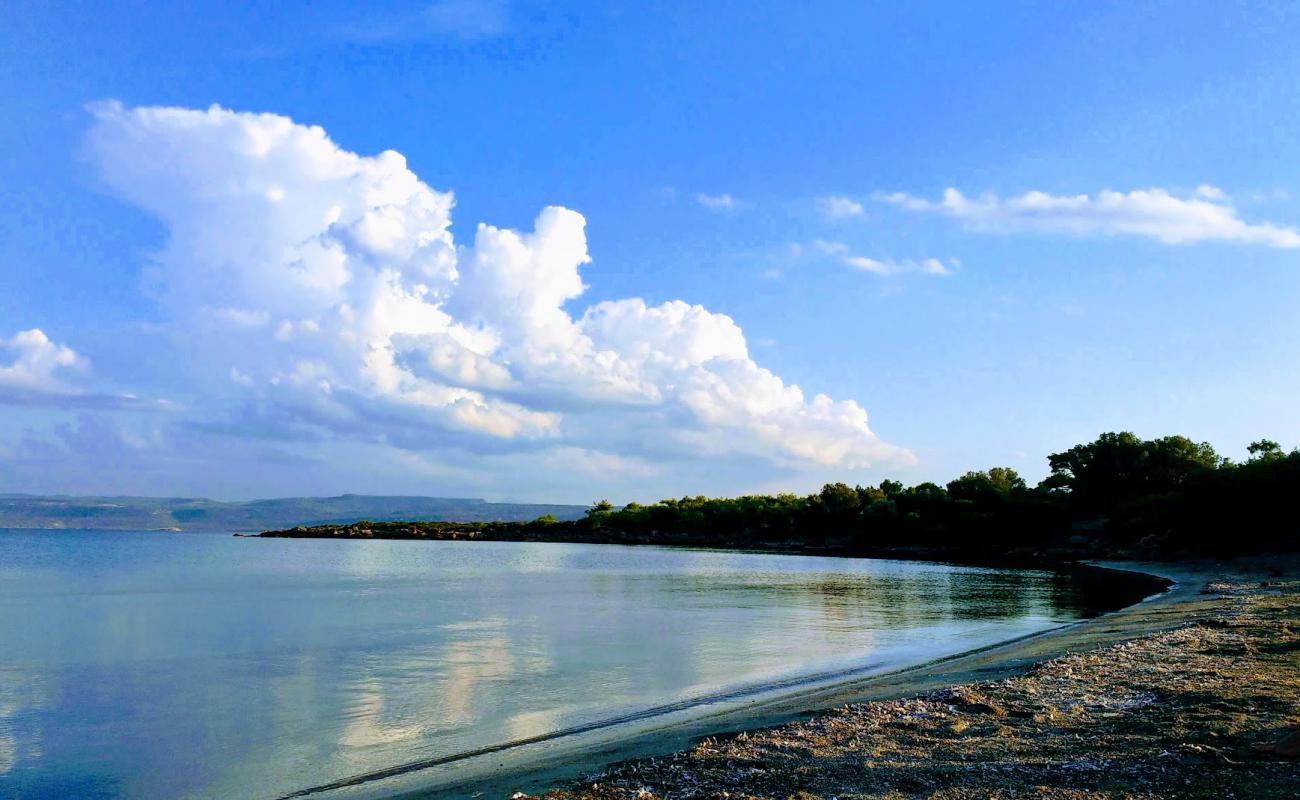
(161, 665)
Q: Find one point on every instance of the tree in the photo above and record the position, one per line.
(1265, 450)
(1175, 459)
(983, 487)
(1120, 465)
(1006, 480)
(839, 500)
(868, 495)
(891, 488)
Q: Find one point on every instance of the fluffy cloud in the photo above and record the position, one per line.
(317, 288)
(1206, 215)
(887, 267)
(38, 372)
(36, 360)
(839, 207)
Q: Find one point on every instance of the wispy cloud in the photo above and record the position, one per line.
(466, 20)
(1205, 215)
(883, 267)
(833, 207)
(718, 202)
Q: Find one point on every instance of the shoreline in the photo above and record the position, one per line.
(1057, 557)
(559, 758)
(1167, 698)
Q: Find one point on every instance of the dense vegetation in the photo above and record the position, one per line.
(1118, 495)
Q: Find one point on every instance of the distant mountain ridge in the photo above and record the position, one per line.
(199, 514)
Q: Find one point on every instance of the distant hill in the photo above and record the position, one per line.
(197, 514)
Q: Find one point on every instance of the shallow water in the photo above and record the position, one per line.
(201, 665)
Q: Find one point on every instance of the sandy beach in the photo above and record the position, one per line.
(1168, 698)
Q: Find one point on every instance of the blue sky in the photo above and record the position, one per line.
(1118, 251)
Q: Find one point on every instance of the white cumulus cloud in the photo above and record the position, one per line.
(324, 288)
(36, 371)
(38, 364)
(1205, 215)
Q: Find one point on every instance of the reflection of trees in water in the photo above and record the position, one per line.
(906, 598)
(1088, 593)
(1060, 595)
(990, 595)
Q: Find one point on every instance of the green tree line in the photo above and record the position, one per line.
(1120, 494)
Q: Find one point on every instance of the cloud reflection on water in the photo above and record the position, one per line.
(210, 667)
